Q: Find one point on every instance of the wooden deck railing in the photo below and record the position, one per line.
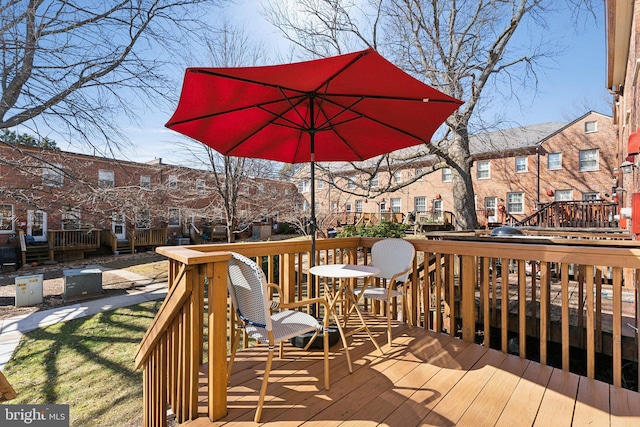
(109, 240)
(61, 240)
(552, 293)
(147, 237)
(573, 213)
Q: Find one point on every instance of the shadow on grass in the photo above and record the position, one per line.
(86, 363)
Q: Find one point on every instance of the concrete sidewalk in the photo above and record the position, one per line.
(12, 329)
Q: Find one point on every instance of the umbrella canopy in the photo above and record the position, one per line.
(344, 108)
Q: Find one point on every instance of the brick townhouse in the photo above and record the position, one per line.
(623, 72)
(43, 190)
(514, 171)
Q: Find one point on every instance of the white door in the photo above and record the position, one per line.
(37, 225)
(491, 204)
(118, 226)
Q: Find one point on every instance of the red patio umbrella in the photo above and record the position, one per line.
(344, 108)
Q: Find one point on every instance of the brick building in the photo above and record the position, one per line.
(514, 172)
(43, 190)
(623, 69)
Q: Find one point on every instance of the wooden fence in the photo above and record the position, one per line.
(469, 289)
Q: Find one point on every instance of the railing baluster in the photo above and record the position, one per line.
(617, 326)
(522, 307)
(564, 275)
(504, 305)
(591, 354)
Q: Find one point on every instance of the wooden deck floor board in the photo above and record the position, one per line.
(488, 406)
(559, 400)
(525, 400)
(425, 379)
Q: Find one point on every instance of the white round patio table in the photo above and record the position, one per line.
(342, 272)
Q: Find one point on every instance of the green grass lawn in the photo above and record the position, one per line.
(87, 364)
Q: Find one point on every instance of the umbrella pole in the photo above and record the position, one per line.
(312, 222)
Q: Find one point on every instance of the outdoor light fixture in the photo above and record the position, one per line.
(626, 166)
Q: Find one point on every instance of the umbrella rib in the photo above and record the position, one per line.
(245, 80)
(235, 110)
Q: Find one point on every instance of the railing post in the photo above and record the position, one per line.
(217, 274)
(468, 282)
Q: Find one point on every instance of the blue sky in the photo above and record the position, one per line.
(568, 88)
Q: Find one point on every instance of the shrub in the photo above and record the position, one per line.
(384, 229)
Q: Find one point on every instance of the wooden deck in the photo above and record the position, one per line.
(425, 379)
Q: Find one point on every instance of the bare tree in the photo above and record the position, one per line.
(464, 48)
(76, 65)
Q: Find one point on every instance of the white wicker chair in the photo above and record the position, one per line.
(248, 289)
(394, 258)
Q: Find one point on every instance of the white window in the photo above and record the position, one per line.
(347, 207)
(397, 176)
(521, 164)
(554, 161)
(590, 127)
(563, 195)
(515, 203)
(174, 217)
(396, 205)
(320, 184)
(484, 170)
(71, 219)
(351, 184)
(383, 206)
(143, 219)
(437, 206)
(53, 175)
(374, 181)
(145, 182)
(6, 218)
(200, 189)
(359, 206)
(334, 207)
(173, 181)
(418, 173)
(305, 206)
(588, 160)
(304, 186)
(105, 179)
(447, 176)
(420, 204)
(590, 196)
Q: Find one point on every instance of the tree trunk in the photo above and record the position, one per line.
(462, 185)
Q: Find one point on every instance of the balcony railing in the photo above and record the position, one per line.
(494, 293)
(60, 240)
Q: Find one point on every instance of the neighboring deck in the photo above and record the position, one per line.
(425, 379)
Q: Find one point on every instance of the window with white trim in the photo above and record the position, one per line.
(53, 175)
(554, 161)
(588, 160)
(419, 172)
(590, 196)
(515, 203)
(304, 186)
(590, 127)
(359, 206)
(563, 195)
(348, 207)
(173, 181)
(375, 181)
(521, 164)
(71, 219)
(351, 183)
(174, 217)
(145, 182)
(397, 176)
(6, 218)
(396, 205)
(105, 179)
(319, 184)
(200, 188)
(484, 169)
(143, 219)
(420, 204)
(447, 176)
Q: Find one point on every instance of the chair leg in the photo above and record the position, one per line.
(405, 306)
(265, 382)
(234, 346)
(325, 343)
(389, 337)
